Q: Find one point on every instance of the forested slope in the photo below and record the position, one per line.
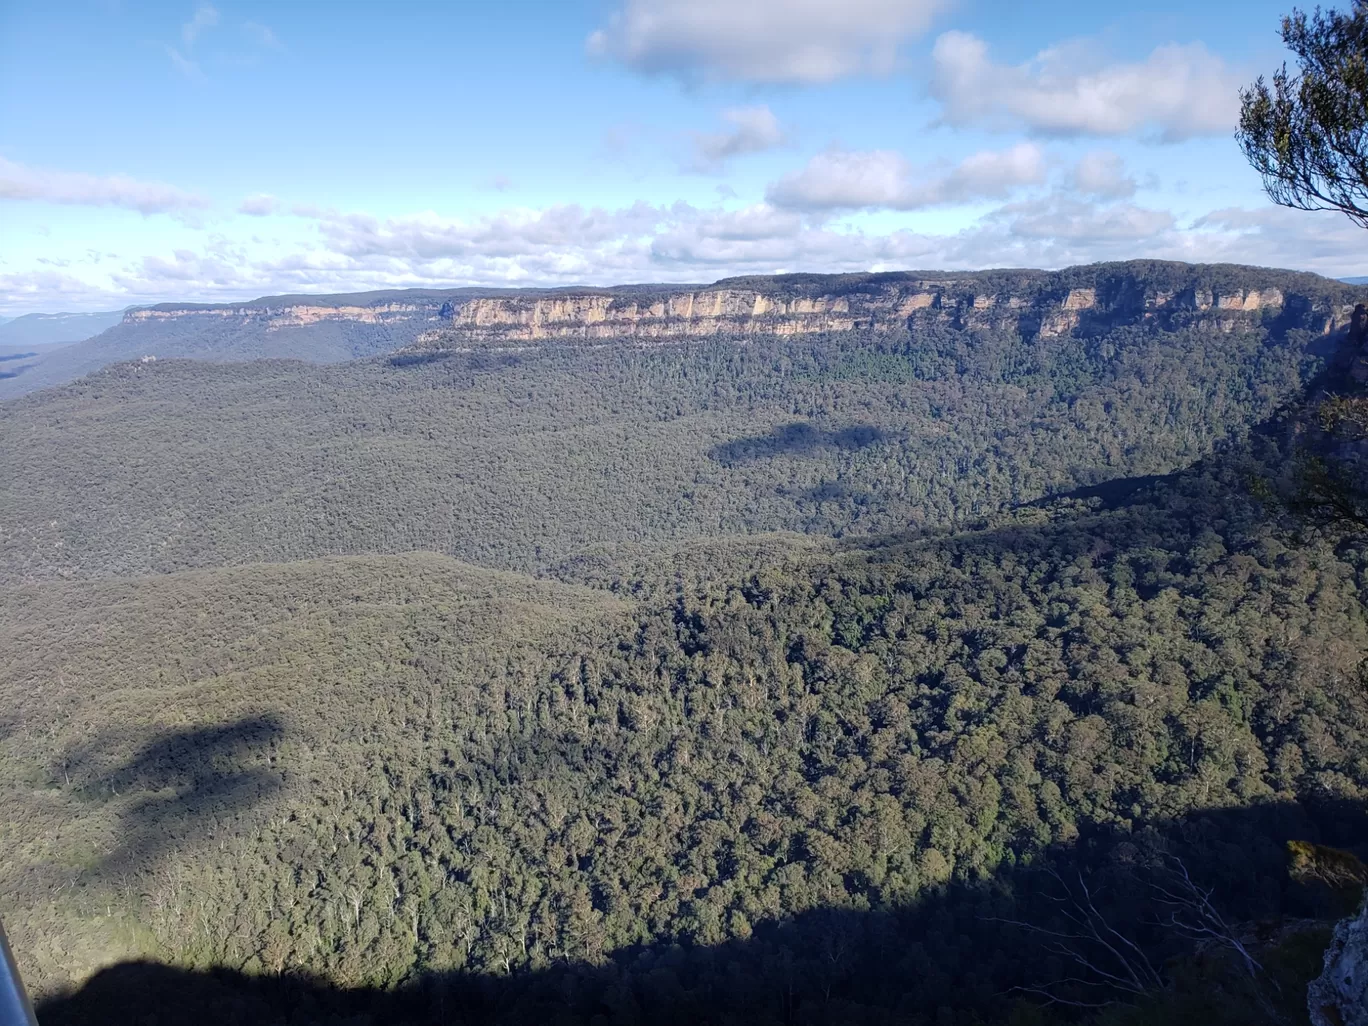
(788, 674)
(363, 769)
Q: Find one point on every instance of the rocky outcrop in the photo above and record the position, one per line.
(1037, 304)
(1339, 996)
(1357, 345)
(1042, 305)
(274, 318)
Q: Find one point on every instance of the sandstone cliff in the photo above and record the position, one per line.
(1035, 304)
(1038, 304)
(291, 315)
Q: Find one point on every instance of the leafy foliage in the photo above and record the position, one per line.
(1307, 135)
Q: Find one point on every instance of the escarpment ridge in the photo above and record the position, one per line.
(1038, 302)
(1035, 303)
(1090, 300)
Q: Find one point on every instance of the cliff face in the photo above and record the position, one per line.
(1339, 996)
(1036, 304)
(317, 330)
(746, 312)
(275, 318)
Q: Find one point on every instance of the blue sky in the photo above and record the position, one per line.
(158, 151)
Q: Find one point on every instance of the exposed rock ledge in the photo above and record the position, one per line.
(1037, 303)
(721, 310)
(293, 316)
(1339, 996)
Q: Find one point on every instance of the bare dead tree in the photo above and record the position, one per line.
(1188, 911)
(1109, 965)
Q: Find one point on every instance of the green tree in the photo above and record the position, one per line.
(1307, 134)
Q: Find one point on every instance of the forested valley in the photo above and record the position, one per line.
(822, 680)
(521, 456)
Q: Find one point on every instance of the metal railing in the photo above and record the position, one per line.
(15, 1008)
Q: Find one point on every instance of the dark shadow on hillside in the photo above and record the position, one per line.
(1214, 484)
(7, 357)
(1118, 514)
(188, 784)
(1111, 494)
(468, 360)
(830, 491)
(947, 958)
(418, 359)
(795, 439)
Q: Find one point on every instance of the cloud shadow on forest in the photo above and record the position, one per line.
(186, 782)
(795, 439)
(830, 491)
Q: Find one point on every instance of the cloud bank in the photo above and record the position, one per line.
(881, 179)
(763, 41)
(576, 244)
(1176, 93)
(20, 182)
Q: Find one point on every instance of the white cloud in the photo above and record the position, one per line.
(881, 179)
(206, 17)
(763, 240)
(184, 64)
(802, 41)
(568, 245)
(1102, 174)
(1177, 92)
(30, 291)
(259, 204)
(512, 236)
(753, 130)
(1071, 219)
(682, 242)
(1276, 236)
(20, 182)
(263, 35)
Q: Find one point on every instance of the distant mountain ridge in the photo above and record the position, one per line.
(43, 329)
(340, 327)
(319, 329)
(1033, 303)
